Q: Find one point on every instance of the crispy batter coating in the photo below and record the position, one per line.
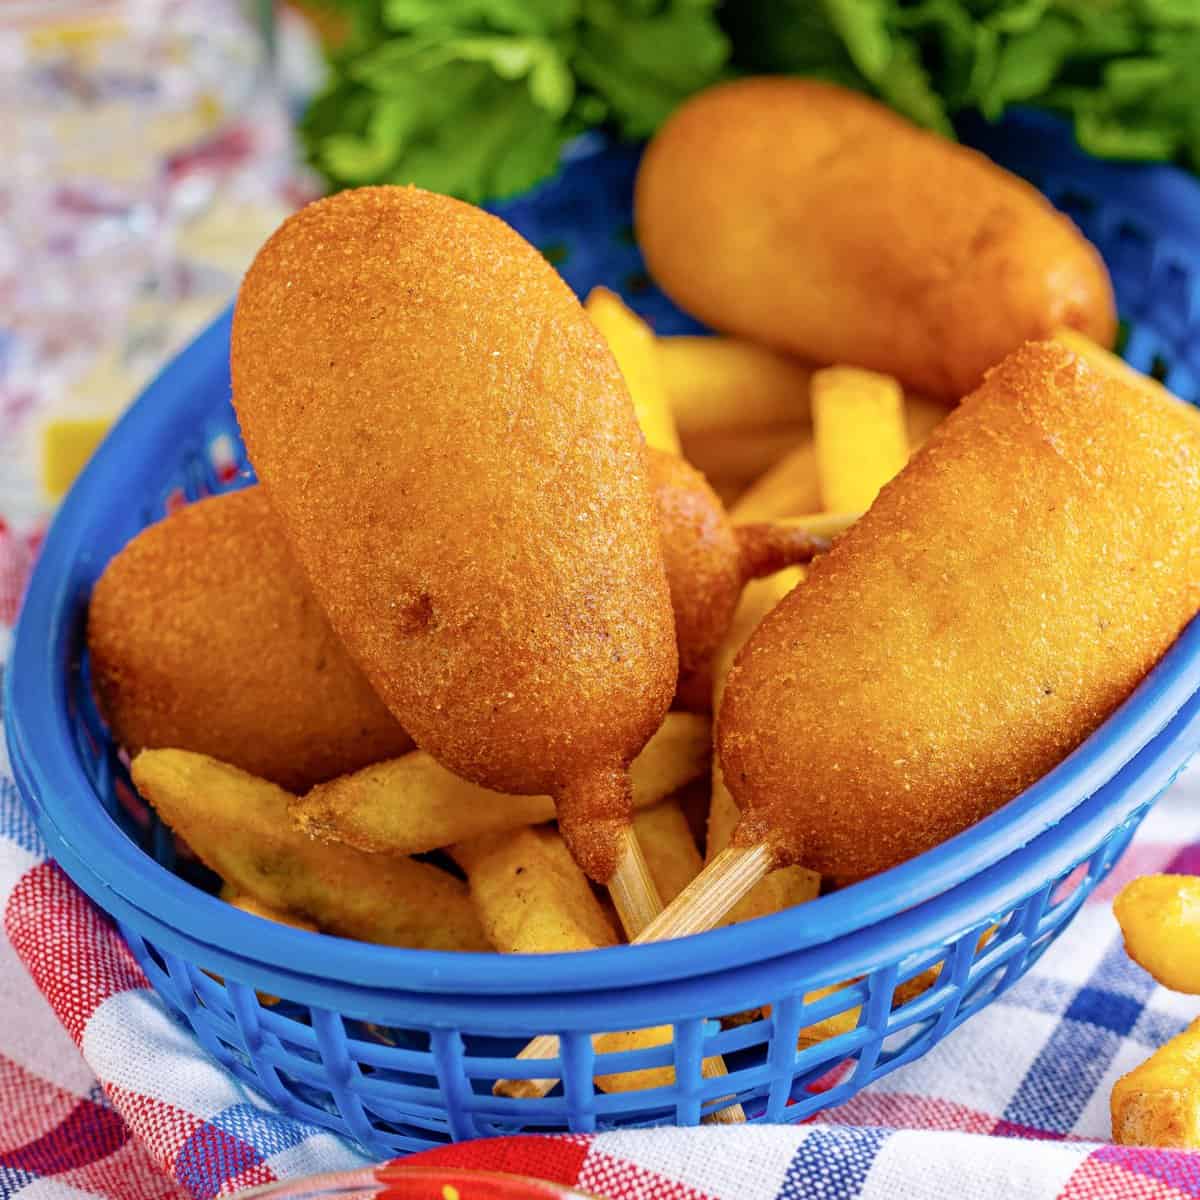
(204, 636)
(818, 221)
(1003, 595)
(708, 562)
(455, 459)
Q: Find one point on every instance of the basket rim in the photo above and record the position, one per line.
(52, 777)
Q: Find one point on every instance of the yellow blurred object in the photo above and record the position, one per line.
(67, 444)
(860, 436)
(633, 345)
(1158, 1103)
(721, 385)
(1159, 916)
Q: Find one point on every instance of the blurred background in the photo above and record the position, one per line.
(147, 147)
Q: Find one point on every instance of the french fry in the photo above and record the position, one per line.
(741, 458)
(238, 826)
(859, 433)
(723, 385)
(670, 850)
(1159, 917)
(410, 805)
(1158, 1103)
(532, 898)
(633, 345)
(789, 488)
(530, 895)
(790, 885)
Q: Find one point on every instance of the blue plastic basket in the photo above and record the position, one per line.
(398, 1049)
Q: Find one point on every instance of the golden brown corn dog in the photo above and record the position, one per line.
(818, 221)
(204, 636)
(709, 561)
(455, 459)
(1003, 595)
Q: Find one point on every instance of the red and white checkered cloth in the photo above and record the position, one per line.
(104, 1094)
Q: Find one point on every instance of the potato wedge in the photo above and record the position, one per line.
(722, 385)
(238, 826)
(409, 805)
(860, 435)
(1159, 916)
(1158, 1103)
(530, 895)
(633, 345)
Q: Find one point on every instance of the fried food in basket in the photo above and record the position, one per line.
(204, 636)
(455, 459)
(633, 345)
(786, 886)
(720, 387)
(708, 562)
(1159, 917)
(533, 898)
(1158, 1103)
(859, 435)
(238, 826)
(412, 804)
(670, 849)
(1003, 595)
(813, 219)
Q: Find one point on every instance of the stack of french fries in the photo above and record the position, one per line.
(779, 440)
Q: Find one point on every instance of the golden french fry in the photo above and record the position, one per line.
(721, 385)
(921, 417)
(530, 895)
(532, 898)
(789, 488)
(1158, 1103)
(742, 457)
(633, 345)
(238, 826)
(669, 848)
(789, 885)
(1159, 916)
(409, 805)
(67, 444)
(859, 433)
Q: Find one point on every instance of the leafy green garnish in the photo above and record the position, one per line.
(478, 97)
(1124, 70)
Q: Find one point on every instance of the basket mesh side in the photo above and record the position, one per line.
(398, 1089)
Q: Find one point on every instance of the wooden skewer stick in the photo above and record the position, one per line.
(825, 525)
(632, 887)
(708, 899)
